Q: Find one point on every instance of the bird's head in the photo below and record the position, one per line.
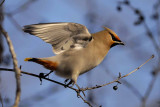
(115, 40)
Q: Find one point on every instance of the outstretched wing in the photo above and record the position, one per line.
(62, 36)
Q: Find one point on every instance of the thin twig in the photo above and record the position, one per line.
(84, 100)
(98, 86)
(81, 89)
(14, 21)
(128, 85)
(23, 7)
(2, 3)
(152, 37)
(149, 89)
(35, 75)
(31, 74)
(133, 89)
(1, 100)
(16, 69)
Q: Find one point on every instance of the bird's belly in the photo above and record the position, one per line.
(89, 66)
(64, 73)
(77, 63)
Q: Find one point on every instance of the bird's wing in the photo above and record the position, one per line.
(62, 36)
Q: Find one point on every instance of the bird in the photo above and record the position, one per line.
(76, 50)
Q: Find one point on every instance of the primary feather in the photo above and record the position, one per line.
(62, 36)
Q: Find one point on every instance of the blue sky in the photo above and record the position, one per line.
(120, 59)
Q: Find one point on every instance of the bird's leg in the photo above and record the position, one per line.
(65, 82)
(70, 82)
(73, 80)
(48, 74)
(41, 75)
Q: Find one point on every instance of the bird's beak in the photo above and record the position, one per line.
(119, 43)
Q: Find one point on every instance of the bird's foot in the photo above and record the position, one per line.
(65, 82)
(43, 75)
(70, 82)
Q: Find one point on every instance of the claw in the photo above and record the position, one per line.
(71, 82)
(65, 82)
(41, 75)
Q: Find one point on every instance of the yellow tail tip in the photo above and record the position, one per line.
(27, 59)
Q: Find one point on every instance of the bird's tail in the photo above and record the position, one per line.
(46, 63)
(31, 59)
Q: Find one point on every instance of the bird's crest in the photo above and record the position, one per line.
(114, 35)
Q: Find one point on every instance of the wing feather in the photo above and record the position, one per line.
(62, 36)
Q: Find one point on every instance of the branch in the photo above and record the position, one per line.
(20, 9)
(13, 21)
(78, 94)
(120, 77)
(128, 85)
(34, 75)
(147, 93)
(1, 100)
(81, 89)
(2, 3)
(141, 20)
(23, 7)
(16, 69)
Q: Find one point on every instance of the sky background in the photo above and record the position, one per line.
(93, 14)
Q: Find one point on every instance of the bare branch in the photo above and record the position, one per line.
(149, 89)
(141, 20)
(128, 85)
(16, 69)
(34, 75)
(85, 101)
(12, 20)
(20, 9)
(1, 100)
(2, 3)
(81, 89)
(23, 7)
(98, 86)
(31, 74)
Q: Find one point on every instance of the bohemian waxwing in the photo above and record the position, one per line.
(77, 51)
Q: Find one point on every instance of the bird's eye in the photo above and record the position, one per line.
(113, 37)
